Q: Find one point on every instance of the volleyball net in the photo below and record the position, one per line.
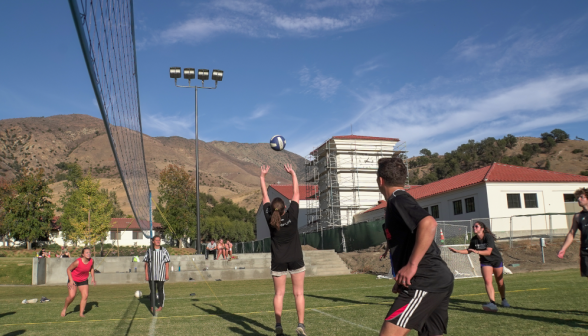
(107, 36)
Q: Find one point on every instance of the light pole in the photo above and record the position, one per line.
(189, 74)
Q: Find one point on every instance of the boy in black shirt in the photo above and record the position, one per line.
(423, 280)
(580, 222)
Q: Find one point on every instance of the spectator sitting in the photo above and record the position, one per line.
(229, 249)
(210, 248)
(48, 254)
(41, 253)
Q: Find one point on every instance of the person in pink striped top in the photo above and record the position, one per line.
(77, 275)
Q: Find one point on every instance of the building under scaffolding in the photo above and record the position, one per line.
(345, 170)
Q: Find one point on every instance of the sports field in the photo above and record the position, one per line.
(544, 303)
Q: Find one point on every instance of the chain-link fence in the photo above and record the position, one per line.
(363, 235)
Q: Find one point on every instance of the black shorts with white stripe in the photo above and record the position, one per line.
(421, 311)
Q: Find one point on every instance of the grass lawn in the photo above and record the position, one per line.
(545, 303)
(16, 271)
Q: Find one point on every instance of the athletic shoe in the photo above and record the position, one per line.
(491, 307)
(300, 331)
(44, 299)
(505, 304)
(279, 330)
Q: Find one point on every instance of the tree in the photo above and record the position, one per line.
(86, 213)
(510, 140)
(29, 213)
(116, 210)
(177, 200)
(548, 141)
(425, 152)
(6, 192)
(560, 135)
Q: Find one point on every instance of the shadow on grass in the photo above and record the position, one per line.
(127, 319)
(6, 314)
(456, 304)
(245, 323)
(338, 299)
(15, 333)
(87, 309)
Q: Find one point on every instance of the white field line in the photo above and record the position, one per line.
(344, 320)
(152, 326)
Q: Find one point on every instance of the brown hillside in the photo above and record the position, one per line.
(561, 158)
(227, 169)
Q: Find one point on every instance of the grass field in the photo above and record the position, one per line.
(16, 271)
(545, 303)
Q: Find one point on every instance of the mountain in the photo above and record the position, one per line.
(227, 169)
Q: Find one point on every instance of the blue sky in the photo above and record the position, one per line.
(432, 73)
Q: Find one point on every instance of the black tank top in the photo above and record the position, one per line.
(583, 227)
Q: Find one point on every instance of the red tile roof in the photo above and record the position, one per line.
(381, 205)
(286, 190)
(128, 224)
(497, 172)
(356, 137)
(363, 137)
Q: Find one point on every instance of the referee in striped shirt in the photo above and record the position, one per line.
(160, 270)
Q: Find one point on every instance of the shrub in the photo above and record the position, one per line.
(578, 150)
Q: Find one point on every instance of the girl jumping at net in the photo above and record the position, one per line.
(483, 243)
(285, 249)
(77, 275)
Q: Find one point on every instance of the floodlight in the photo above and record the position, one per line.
(189, 73)
(217, 75)
(203, 74)
(175, 72)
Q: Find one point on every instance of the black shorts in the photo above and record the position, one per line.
(494, 264)
(279, 269)
(584, 263)
(80, 283)
(421, 311)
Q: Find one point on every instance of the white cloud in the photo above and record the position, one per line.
(260, 112)
(168, 125)
(325, 86)
(440, 122)
(368, 66)
(518, 46)
(265, 19)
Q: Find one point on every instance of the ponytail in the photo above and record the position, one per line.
(278, 206)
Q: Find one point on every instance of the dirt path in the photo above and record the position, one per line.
(527, 254)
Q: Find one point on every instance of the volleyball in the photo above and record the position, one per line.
(138, 294)
(278, 142)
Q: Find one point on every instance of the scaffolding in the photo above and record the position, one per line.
(342, 176)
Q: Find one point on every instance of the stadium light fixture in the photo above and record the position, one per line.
(217, 75)
(189, 73)
(202, 74)
(175, 72)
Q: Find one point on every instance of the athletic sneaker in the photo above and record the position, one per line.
(279, 330)
(44, 299)
(300, 330)
(490, 307)
(505, 304)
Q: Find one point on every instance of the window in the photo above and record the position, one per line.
(137, 234)
(531, 201)
(470, 205)
(426, 209)
(514, 201)
(435, 211)
(457, 208)
(569, 198)
(114, 235)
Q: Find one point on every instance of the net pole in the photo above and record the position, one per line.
(198, 240)
(150, 270)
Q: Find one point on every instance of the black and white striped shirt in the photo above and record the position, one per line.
(160, 257)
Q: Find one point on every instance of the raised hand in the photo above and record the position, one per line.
(289, 169)
(264, 170)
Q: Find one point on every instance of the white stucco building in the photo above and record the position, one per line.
(345, 169)
(499, 192)
(123, 232)
(285, 191)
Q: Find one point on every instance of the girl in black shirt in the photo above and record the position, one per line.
(286, 249)
(490, 260)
